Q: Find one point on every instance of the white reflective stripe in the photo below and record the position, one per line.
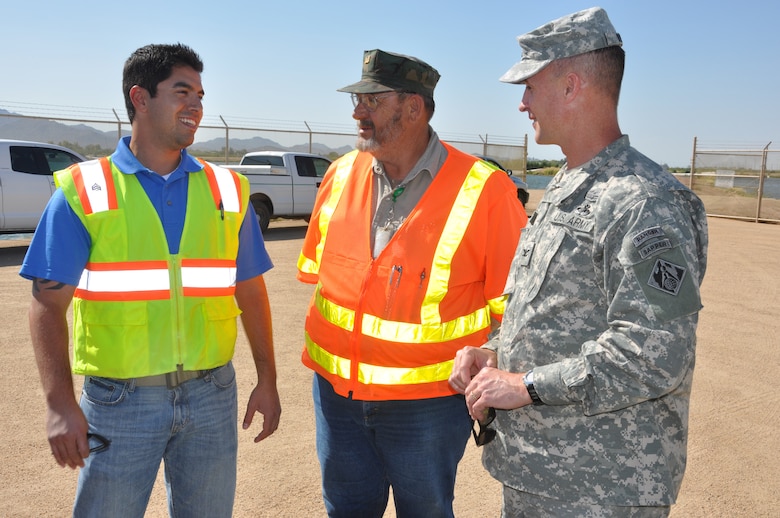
(95, 185)
(227, 189)
(208, 277)
(118, 281)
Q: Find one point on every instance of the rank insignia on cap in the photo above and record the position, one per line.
(667, 277)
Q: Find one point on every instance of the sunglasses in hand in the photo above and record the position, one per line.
(485, 434)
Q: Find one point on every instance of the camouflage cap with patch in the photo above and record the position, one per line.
(570, 35)
(383, 71)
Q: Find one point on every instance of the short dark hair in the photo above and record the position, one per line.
(606, 67)
(150, 65)
(428, 102)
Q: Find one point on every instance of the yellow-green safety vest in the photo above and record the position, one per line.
(139, 310)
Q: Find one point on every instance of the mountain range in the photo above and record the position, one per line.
(20, 127)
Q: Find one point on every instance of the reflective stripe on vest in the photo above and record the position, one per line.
(376, 374)
(225, 186)
(150, 280)
(208, 277)
(97, 192)
(431, 329)
(341, 174)
(95, 185)
(404, 332)
(137, 280)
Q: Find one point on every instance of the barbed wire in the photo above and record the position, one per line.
(702, 144)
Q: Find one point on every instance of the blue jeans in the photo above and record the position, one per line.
(193, 427)
(364, 447)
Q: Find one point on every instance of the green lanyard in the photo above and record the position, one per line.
(397, 193)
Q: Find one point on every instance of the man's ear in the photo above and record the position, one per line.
(139, 96)
(415, 106)
(573, 86)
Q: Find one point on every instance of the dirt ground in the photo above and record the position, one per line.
(734, 434)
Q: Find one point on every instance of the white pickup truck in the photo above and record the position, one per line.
(282, 184)
(26, 181)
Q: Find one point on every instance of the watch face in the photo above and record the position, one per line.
(529, 377)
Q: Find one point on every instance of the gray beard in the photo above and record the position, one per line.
(388, 135)
(367, 145)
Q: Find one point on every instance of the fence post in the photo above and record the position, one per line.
(227, 140)
(761, 177)
(693, 165)
(525, 157)
(484, 144)
(118, 126)
(310, 134)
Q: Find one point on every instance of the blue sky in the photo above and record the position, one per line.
(694, 69)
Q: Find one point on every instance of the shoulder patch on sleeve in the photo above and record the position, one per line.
(669, 288)
(647, 234)
(667, 277)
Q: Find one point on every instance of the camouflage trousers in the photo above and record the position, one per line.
(518, 504)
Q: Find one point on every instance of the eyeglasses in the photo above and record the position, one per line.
(485, 434)
(369, 101)
(102, 443)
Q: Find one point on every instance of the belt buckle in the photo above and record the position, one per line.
(177, 377)
(172, 379)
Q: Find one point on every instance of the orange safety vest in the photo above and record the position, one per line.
(138, 310)
(389, 327)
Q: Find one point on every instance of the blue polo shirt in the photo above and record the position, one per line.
(60, 247)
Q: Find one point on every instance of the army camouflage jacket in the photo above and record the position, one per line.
(604, 301)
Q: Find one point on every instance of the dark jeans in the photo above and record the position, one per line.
(364, 447)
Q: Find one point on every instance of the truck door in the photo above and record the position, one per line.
(29, 184)
(310, 172)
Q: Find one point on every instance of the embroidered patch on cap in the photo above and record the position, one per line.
(667, 277)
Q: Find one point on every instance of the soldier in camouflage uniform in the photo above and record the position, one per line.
(591, 370)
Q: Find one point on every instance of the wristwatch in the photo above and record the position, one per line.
(528, 379)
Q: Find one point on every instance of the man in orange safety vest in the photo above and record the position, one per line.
(409, 247)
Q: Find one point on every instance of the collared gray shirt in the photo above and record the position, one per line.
(392, 204)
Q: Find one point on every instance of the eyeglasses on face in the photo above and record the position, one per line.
(97, 443)
(369, 101)
(485, 434)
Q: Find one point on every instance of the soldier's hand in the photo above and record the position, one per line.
(468, 362)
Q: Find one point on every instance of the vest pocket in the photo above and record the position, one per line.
(220, 321)
(115, 313)
(111, 338)
(217, 309)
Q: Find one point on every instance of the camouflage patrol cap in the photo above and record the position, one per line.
(574, 34)
(384, 71)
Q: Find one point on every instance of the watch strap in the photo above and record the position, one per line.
(528, 380)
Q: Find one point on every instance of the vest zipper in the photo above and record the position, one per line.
(177, 309)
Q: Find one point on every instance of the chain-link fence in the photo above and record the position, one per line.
(94, 132)
(733, 182)
(736, 182)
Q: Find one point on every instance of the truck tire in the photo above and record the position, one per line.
(263, 215)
